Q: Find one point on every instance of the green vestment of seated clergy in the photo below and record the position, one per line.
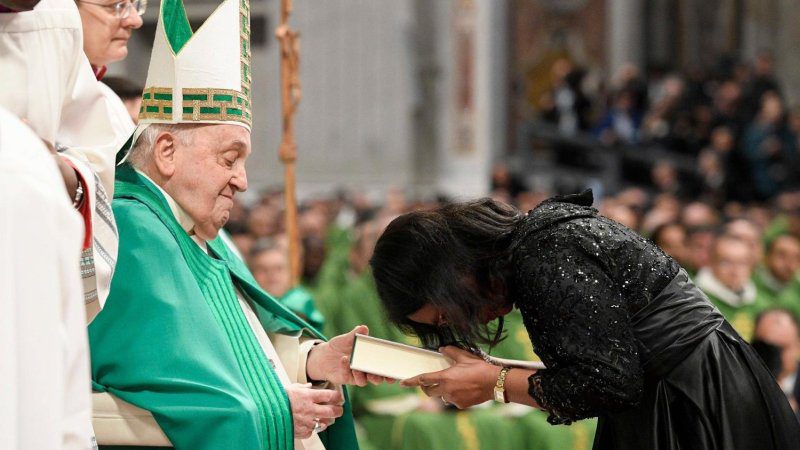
(172, 338)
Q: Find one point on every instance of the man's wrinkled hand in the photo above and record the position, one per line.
(330, 361)
(312, 406)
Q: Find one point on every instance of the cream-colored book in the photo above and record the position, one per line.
(400, 361)
(393, 359)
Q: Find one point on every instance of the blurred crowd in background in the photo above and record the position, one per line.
(731, 217)
(726, 134)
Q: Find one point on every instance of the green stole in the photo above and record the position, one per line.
(238, 365)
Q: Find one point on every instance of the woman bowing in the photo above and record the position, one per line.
(624, 333)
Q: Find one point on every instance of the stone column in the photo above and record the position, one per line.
(760, 19)
(476, 97)
(625, 25)
(787, 53)
(772, 25)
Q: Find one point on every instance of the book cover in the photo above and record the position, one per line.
(400, 361)
(394, 360)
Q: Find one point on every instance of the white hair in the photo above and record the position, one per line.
(142, 152)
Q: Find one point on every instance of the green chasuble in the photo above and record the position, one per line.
(332, 276)
(789, 298)
(172, 338)
(742, 318)
(768, 287)
(776, 295)
(300, 302)
(738, 308)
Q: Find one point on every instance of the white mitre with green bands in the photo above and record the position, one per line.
(199, 76)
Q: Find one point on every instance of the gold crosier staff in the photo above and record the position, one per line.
(290, 98)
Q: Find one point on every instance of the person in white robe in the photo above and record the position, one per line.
(44, 367)
(49, 83)
(48, 96)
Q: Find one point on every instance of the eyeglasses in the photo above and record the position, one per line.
(122, 10)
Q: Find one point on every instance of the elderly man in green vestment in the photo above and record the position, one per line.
(187, 338)
(728, 283)
(777, 279)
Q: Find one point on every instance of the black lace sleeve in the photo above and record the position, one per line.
(579, 325)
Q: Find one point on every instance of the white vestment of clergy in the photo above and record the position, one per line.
(44, 364)
(48, 82)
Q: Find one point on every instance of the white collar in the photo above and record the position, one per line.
(788, 383)
(183, 218)
(707, 282)
(770, 281)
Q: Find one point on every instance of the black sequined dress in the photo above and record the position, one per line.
(628, 338)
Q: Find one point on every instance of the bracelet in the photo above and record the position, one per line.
(500, 394)
(78, 200)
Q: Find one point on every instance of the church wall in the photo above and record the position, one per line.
(772, 25)
(353, 125)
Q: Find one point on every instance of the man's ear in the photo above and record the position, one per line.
(164, 153)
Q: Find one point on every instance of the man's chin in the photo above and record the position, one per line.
(208, 234)
(210, 228)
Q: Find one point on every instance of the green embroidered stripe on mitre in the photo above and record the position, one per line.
(176, 24)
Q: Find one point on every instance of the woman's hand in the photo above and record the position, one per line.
(469, 382)
(330, 361)
(312, 406)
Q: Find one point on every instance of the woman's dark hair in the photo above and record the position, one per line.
(456, 258)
